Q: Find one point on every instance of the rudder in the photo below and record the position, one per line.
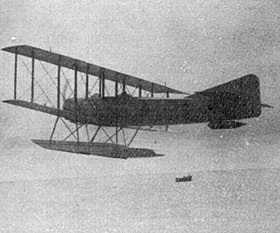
(237, 99)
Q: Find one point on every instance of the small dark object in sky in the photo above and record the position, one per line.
(184, 179)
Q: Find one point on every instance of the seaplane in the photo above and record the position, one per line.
(220, 107)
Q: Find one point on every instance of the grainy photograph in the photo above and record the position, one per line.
(139, 116)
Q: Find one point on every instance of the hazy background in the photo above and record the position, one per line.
(190, 45)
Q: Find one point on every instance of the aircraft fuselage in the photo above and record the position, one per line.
(133, 111)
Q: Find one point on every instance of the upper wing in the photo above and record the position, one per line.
(81, 66)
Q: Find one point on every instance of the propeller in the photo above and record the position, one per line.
(65, 88)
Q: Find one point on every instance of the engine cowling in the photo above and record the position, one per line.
(225, 124)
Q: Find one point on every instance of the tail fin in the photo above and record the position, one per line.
(237, 99)
(248, 84)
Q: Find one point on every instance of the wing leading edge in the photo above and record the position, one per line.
(91, 69)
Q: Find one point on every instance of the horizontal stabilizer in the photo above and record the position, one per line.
(98, 149)
(225, 125)
(266, 106)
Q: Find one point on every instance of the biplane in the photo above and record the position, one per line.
(221, 107)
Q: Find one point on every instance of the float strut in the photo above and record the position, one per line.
(54, 128)
(133, 137)
(92, 139)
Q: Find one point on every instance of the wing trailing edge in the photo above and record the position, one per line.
(52, 111)
(40, 108)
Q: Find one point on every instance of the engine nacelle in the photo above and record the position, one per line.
(225, 124)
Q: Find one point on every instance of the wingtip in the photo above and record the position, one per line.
(6, 101)
(6, 49)
(12, 49)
